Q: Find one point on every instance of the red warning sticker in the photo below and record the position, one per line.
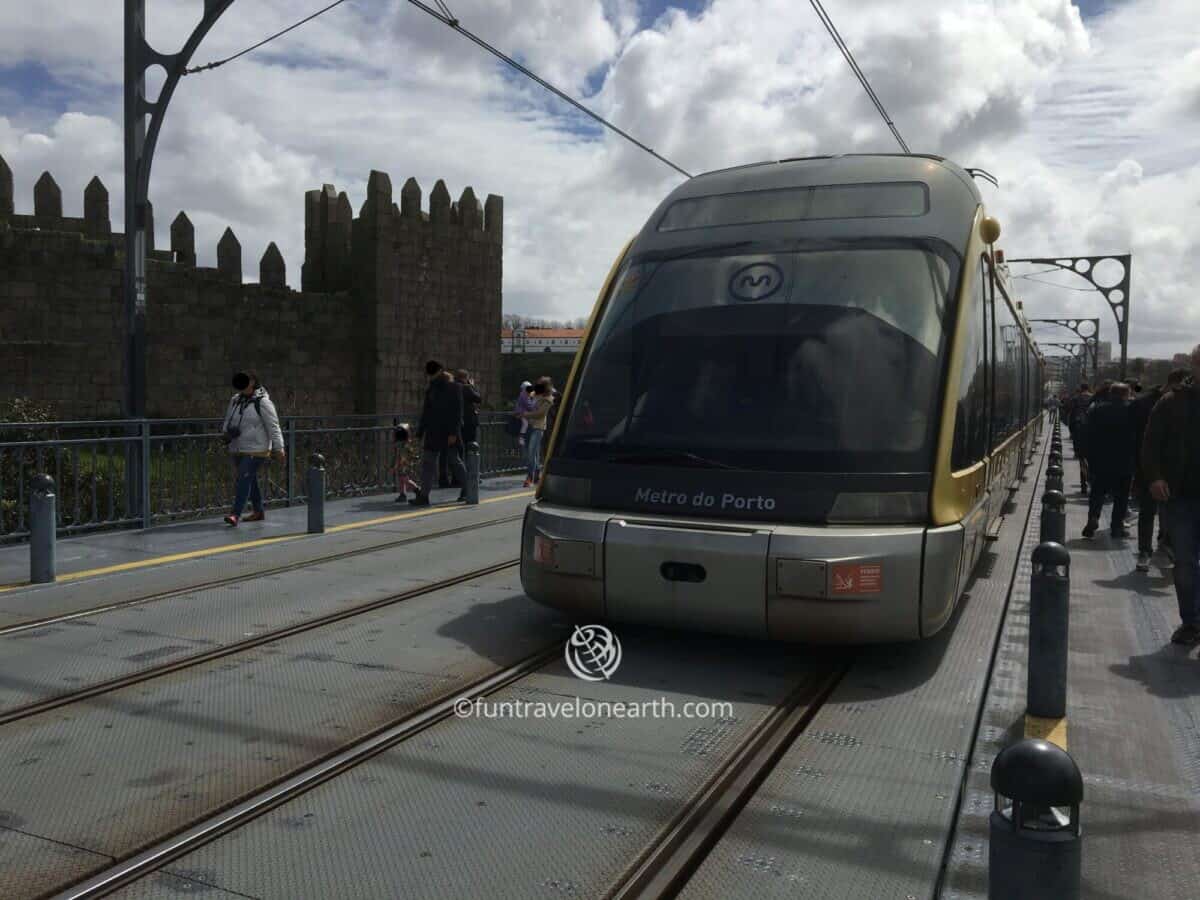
(856, 578)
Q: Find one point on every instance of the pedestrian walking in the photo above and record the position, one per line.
(537, 417)
(251, 431)
(1150, 509)
(1080, 404)
(472, 400)
(1171, 466)
(440, 429)
(1110, 448)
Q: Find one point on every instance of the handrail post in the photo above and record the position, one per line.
(43, 522)
(291, 456)
(316, 494)
(145, 474)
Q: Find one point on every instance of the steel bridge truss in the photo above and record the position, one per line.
(1115, 295)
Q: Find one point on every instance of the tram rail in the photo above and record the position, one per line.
(103, 687)
(665, 866)
(156, 596)
(660, 870)
(174, 846)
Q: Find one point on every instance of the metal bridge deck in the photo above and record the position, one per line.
(863, 803)
(102, 549)
(1133, 709)
(111, 567)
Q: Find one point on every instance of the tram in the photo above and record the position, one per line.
(803, 399)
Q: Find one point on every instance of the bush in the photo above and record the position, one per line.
(84, 480)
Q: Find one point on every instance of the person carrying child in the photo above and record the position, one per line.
(543, 402)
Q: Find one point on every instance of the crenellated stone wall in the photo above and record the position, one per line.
(381, 293)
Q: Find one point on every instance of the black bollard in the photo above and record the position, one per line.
(1054, 517)
(471, 489)
(1055, 458)
(1054, 478)
(43, 524)
(316, 494)
(1049, 617)
(1034, 835)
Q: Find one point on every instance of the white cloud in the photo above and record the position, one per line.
(1086, 130)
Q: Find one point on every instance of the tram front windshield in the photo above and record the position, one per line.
(802, 360)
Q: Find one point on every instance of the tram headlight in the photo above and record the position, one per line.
(543, 550)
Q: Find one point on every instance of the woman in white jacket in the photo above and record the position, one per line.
(251, 428)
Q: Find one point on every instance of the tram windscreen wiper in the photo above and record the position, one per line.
(667, 457)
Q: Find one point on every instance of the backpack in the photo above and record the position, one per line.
(257, 401)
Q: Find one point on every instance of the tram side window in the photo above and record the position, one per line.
(1027, 412)
(970, 423)
(1035, 395)
(1009, 356)
(1022, 379)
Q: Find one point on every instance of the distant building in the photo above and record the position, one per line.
(540, 340)
(1060, 368)
(1104, 352)
(1056, 366)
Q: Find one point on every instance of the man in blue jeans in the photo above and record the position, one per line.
(1171, 467)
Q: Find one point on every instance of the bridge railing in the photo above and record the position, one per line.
(186, 470)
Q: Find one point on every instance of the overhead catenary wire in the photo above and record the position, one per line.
(841, 45)
(443, 15)
(251, 49)
(1064, 287)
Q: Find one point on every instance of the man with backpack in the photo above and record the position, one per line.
(441, 429)
(1110, 449)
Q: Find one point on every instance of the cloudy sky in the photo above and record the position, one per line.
(1087, 112)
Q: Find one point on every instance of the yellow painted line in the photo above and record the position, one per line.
(160, 560)
(1052, 730)
(421, 512)
(260, 542)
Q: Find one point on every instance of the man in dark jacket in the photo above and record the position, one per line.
(440, 429)
(1171, 467)
(1110, 452)
(1148, 507)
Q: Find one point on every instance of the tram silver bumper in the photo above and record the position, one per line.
(828, 584)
